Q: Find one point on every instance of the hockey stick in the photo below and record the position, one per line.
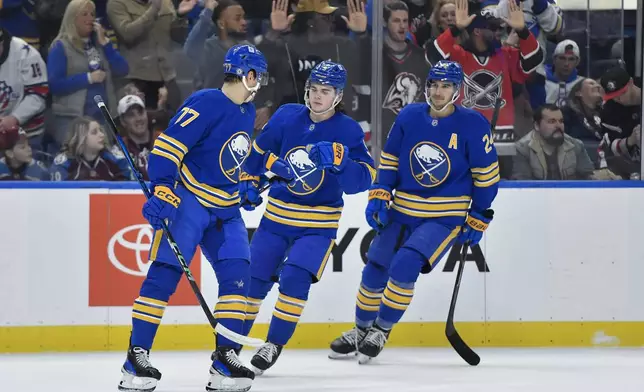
(450, 330)
(219, 329)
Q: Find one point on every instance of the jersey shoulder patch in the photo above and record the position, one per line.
(60, 159)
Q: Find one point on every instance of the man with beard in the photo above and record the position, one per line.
(138, 137)
(547, 153)
(403, 67)
(490, 70)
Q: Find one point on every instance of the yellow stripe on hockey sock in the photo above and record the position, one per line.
(151, 301)
(291, 299)
(148, 310)
(371, 299)
(393, 304)
(295, 310)
(285, 317)
(146, 318)
(230, 315)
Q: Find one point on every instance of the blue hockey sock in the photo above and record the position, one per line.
(295, 283)
(233, 278)
(374, 279)
(404, 271)
(158, 286)
(258, 291)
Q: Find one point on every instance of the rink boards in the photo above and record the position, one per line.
(566, 266)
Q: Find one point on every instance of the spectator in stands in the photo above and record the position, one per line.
(82, 63)
(87, 157)
(544, 19)
(442, 18)
(159, 118)
(17, 162)
(310, 40)
(561, 76)
(547, 153)
(205, 27)
(23, 88)
(489, 71)
(582, 111)
(17, 18)
(144, 33)
(621, 116)
(137, 134)
(404, 70)
(231, 30)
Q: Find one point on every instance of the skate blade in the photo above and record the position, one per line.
(257, 371)
(131, 383)
(338, 356)
(364, 359)
(221, 383)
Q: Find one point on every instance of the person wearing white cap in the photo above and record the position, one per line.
(562, 75)
(138, 137)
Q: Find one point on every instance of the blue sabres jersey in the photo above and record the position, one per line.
(204, 148)
(313, 203)
(437, 166)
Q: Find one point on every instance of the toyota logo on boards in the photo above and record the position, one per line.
(139, 247)
(119, 245)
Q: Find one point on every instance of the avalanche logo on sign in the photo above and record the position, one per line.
(233, 154)
(429, 164)
(308, 178)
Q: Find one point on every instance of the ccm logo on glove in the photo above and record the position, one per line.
(164, 193)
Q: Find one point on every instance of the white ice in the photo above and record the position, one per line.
(403, 370)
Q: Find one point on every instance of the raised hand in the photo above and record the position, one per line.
(515, 18)
(357, 21)
(280, 21)
(463, 18)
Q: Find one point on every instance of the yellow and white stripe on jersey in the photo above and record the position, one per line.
(169, 148)
(388, 161)
(432, 207)
(290, 214)
(486, 176)
(207, 195)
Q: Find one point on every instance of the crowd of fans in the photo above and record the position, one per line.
(144, 57)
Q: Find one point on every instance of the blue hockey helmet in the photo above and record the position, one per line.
(446, 71)
(329, 73)
(241, 59)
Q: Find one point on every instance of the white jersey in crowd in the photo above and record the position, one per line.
(23, 85)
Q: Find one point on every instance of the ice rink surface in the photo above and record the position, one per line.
(413, 370)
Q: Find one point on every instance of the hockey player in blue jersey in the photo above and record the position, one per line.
(437, 178)
(325, 149)
(194, 171)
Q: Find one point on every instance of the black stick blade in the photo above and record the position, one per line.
(460, 346)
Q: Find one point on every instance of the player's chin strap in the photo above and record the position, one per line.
(454, 98)
(336, 101)
(253, 90)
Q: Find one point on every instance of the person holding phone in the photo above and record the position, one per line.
(82, 63)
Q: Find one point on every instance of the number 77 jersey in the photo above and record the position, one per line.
(438, 166)
(204, 148)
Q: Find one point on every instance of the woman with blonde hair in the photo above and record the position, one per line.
(82, 63)
(443, 16)
(86, 156)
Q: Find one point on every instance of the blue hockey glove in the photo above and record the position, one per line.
(377, 211)
(327, 155)
(279, 167)
(162, 205)
(475, 225)
(249, 190)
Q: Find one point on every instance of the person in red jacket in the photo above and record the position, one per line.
(490, 69)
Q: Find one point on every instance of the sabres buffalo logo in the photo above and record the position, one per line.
(307, 176)
(233, 154)
(429, 164)
(405, 89)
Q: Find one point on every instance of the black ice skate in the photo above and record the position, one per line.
(138, 373)
(372, 344)
(265, 357)
(347, 343)
(228, 373)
